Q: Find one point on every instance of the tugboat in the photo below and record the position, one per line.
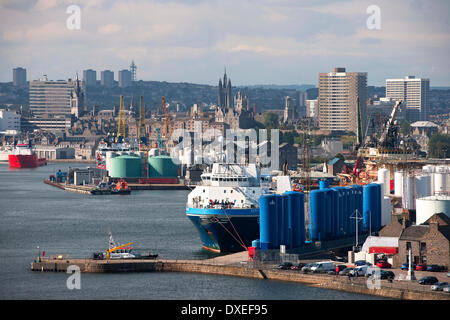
(121, 188)
(120, 251)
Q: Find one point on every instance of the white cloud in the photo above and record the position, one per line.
(261, 38)
(109, 28)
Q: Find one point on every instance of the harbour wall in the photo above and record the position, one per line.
(320, 281)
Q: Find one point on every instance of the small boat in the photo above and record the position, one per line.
(121, 187)
(102, 188)
(121, 251)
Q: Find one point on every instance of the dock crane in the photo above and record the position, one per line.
(166, 118)
(121, 124)
(387, 132)
(142, 139)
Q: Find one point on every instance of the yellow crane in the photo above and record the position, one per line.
(121, 124)
(108, 252)
(166, 117)
(141, 127)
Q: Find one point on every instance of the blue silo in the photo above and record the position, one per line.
(299, 235)
(372, 207)
(292, 224)
(276, 221)
(351, 210)
(283, 218)
(335, 213)
(316, 217)
(323, 184)
(256, 243)
(341, 208)
(327, 213)
(267, 212)
(359, 205)
(345, 210)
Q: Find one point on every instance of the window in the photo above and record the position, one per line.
(408, 245)
(423, 246)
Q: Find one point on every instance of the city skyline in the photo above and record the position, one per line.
(264, 42)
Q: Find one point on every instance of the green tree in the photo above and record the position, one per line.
(405, 128)
(288, 136)
(439, 146)
(270, 120)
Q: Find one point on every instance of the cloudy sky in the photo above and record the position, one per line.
(259, 41)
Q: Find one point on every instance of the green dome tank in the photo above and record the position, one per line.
(162, 167)
(126, 167)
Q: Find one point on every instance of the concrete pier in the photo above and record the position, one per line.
(133, 186)
(238, 266)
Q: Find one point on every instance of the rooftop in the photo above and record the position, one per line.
(414, 232)
(424, 124)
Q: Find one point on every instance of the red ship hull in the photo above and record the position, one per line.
(25, 161)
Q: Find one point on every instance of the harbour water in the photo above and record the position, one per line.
(36, 216)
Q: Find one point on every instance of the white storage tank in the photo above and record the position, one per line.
(423, 186)
(386, 211)
(398, 183)
(109, 156)
(410, 192)
(427, 206)
(384, 176)
(153, 152)
(428, 168)
(440, 182)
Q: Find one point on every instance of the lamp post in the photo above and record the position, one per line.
(410, 275)
(357, 217)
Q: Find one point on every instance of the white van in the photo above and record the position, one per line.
(323, 267)
(359, 271)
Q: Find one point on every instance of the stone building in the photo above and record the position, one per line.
(224, 92)
(429, 242)
(394, 228)
(288, 154)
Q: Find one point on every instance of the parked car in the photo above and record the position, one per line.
(438, 286)
(307, 268)
(446, 289)
(382, 274)
(383, 264)
(340, 259)
(448, 274)
(387, 275)
(359, 271)
(285, 266)
(428, 280)
(421, 267)
(434, 268)
(297, 266)
(345, 271)
(323, 267)
(340, 267)
(362, 263)
(405, 266)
